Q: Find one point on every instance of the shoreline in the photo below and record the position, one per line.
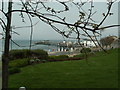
(70, 54)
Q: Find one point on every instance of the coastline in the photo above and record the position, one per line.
(70, 54)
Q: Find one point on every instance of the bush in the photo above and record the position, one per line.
(85, 50)
(79, 55)
(25, 53)
(40, 54)
(18, 54)
(19, 63)
(60, 57)
(83, 55)
(14, 70)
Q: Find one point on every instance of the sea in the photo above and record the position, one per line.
(24, 44)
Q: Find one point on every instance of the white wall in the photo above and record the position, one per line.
(90, 43)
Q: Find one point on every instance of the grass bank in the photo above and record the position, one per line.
(100, 72)
(0, 74)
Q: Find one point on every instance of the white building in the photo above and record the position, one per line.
(90, 43)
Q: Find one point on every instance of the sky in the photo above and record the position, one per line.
(44, 32)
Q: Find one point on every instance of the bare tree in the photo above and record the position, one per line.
(51, 16)
(5, 58)
(107, 41)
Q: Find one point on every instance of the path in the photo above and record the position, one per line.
(63, 53)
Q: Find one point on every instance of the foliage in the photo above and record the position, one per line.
(19, 63)
(100, 72)
(14, 70)
(25, 53)
(18, 54)
(79, 55)
(42, 11)
(34, 61)
(59, 57)
(107, 40)
(41, 54)
(85, 50)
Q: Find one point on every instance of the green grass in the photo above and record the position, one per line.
(0, 74)
(100, 72)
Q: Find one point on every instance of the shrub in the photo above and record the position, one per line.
(79, 55)
(63, 56)
(40, 54)
(60, 57)
(18, 54)
(14, 70)
(85, 50)
(83, 55)
(25, 53)
(19, 63)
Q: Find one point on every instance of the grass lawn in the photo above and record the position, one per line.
(100, 72)
(0, 74)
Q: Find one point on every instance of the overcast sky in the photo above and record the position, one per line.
(45, 32)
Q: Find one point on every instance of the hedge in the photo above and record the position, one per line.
(19, 63)
(59, 57)
(14, 70)
(25, 53)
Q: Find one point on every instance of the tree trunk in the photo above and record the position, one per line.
(5, 58)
